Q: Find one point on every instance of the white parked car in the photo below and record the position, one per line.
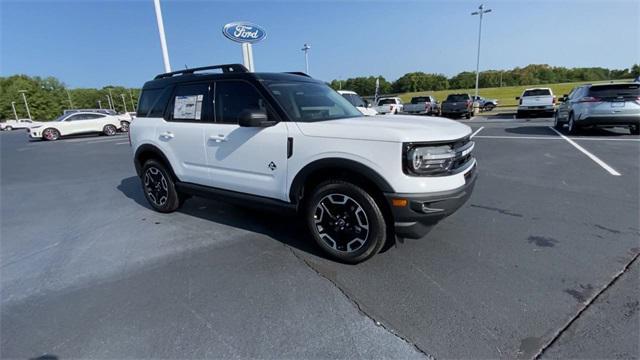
(357, 101)
(289, 142)
(18, 124)
(76, 123)
(536, 101)
(389, 105)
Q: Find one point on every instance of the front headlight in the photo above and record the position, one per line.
(434, 160)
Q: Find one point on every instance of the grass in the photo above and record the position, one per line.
(506, 95)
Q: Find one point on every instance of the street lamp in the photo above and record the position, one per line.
(124, 103)
(69, 96)
(13, 106)
(100, 104)
(109, 102)
(133, 105)
(163, 40)
(481, 11)
(306, 48)
(26, 104)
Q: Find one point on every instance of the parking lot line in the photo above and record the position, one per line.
(476, 132)
(102, 141)
(590, 155)
(122, 143)
(552, 138)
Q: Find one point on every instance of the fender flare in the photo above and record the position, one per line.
(335, 163)
(148, 148)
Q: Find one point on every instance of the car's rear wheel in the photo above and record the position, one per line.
(488, 107)
(467, 116)
(345, 221)
(556, 122)
(159, 187)
(50, 134)
(634, 129)
(124, 126)
(573, 127)
(109, 130)
(8, 128)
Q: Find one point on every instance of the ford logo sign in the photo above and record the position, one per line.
(244, 32)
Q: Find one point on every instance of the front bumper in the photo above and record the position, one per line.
(425, 210)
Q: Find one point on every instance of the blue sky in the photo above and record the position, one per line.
(97, 43)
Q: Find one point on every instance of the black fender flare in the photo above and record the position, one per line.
(335, 163)
(157, 153)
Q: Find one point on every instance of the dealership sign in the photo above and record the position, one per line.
(244, 32)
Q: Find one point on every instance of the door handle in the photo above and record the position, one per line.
(167, 135)
(218, 138)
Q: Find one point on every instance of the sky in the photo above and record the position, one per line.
(98, 43)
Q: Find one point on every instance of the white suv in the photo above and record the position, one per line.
(286, 140)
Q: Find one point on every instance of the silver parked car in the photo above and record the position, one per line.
(600, 105)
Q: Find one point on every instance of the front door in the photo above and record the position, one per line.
(250, 160)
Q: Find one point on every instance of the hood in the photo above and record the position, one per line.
(392, 128)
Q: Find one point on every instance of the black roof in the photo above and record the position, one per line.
(229, 71)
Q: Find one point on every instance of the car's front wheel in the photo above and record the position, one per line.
(109, 130)
(50, 134)
(124, 126)
(345, 221)
(8, 128)
(159, 187)
(573, 127)
(634, 130)
(556, 122)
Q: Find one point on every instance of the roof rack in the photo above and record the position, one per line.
(225, 69)
(298, 73)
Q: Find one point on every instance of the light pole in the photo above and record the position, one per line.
(481, 11)
(26, 104)
(111, 102)
(124, 102)
(163, 40)
(133, 105)
(100, 104)
(13, 106)
(69, 97)
(306, 48)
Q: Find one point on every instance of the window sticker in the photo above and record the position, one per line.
(188, 107)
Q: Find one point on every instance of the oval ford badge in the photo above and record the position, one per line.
(244, 32)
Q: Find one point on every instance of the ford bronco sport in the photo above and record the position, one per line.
(287, 140)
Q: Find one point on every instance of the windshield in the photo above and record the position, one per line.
(62, 117)
(355, 100)
(537, 92)
(458, 97)
(387, 102)
(417, 100)
(309, 102)
(615, 90)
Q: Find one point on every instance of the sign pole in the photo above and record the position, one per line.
(247, 56)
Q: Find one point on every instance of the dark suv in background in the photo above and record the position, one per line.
(604, 105)
(457, 105)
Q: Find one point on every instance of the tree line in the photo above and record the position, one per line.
(528, 75)
(48, 97)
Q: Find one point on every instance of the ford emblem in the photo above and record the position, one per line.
(244, 32)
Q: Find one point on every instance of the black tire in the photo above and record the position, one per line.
(556, 122)
(344, 211)
(159, 187)
(50, 134)
(573, 127)
(488, 107)
(467, 116)
(634, 129)
(124, 126)
(8, 128)
(520, 114)
(109, 130)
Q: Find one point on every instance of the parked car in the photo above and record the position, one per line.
(18, 124)
(389, 105)
(427, 105)
(287, 141)
(536, 101)
(102, 111)
(457, 105)
(125, 120)
(357, 101)
(485, 104)
(75, 123)
(600, 105)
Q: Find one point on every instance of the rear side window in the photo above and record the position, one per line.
(147, 99)
(537, 92)
(615, 91)
(234, 97)
(188, 102)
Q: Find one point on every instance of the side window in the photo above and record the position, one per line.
(160, 105)
(75, 117)
(234, 97)
(93, 116)
(188, 102)
(147, 99)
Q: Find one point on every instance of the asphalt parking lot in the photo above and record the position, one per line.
(540, 262)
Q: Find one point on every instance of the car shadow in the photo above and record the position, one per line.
(283, 227)
(531, 130)
(598, 131)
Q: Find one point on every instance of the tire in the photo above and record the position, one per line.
(467, 116)
(634, 130)
(8, 128)
(573, 127)
(50, 134)
(488, 107)
(159, 187)
(556, 122)
(521, 114)
(109, 130)
(338, 214)
(124, 126)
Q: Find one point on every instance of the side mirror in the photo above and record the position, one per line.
(517, 97)
(254, 118)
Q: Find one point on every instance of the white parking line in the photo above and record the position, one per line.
(102, 141)
(590, 155)
(551, 138)
(122, 143)
(476, 132)
(89, 139)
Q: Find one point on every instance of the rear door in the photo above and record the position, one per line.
(180, 135)
(250, 160)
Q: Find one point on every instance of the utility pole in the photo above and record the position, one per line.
(133, 105)
(481, 11)
(26, 104)
(69, 96)
(306, 49)
(124, 102)
(13, 106)
(163, 40)
(99, 104)
(111, 102)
